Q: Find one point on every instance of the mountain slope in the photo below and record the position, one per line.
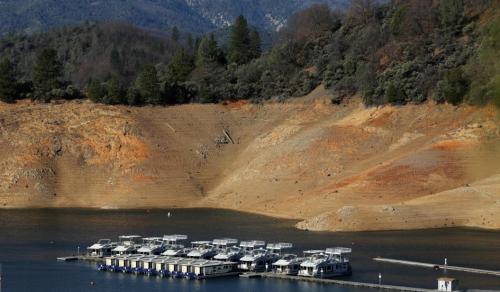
(195, 16)
(345, 167)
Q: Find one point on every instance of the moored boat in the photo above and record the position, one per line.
(329, 263)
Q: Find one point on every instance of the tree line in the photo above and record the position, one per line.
(393, 52)
(154, 83)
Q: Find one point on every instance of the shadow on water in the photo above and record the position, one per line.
(30, 240)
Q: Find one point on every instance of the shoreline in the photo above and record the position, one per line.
(293, 221)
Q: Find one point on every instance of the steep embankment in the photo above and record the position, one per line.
(341, 167)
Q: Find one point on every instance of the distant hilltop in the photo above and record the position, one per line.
(196, 16)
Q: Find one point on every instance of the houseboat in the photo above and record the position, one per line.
(326, 264)
(278, 248)
(148, 265)
(288, 264)
(136, 265)
(230, 254)
(101, 248)
(257, 260)
(227, 249)
(173, 245)
(127, 244)
(152, 246)
(175, 267)
(208, 269)
(251, 245)
(110, 264)
(202, 250)
(223, 243)
(125, 262)
(161, 266)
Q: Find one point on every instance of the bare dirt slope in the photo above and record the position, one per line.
(344, 167)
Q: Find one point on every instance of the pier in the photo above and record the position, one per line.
(81, 258)
(335, 282)
(440, 266)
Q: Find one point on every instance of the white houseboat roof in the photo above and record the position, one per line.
(129, 236)
(201, 242)
(211, 263)
(338, 250)
(289, 260)
(313, 251)
(257, 253)
(253, 243)
(279, 245)
(101, 243)
(123, 248)
(224, 241)
(152, 238)
(148, 248)
(314, 261)
(172, 252)
(174, 237)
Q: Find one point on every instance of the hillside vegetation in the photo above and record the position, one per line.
(399, 52)
(91, 51)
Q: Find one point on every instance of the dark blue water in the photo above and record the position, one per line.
(30, 241)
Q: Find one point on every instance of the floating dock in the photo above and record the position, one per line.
(434, 266)
(67, 259)
(336, 282)
(81, 258)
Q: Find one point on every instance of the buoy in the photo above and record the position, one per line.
(92, 283)
(169, 215)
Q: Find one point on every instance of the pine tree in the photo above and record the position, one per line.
(46, 74)
(239, 45)
(181, 66)
(190, 42)
(207, 51)
(8, 83)
(255, 44)
(175, 34)
(148, 85)
(115, 93)
(133, 97)
(451, 12)
(95, 92)
(116, 61)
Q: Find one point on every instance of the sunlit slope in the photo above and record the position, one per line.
(344, 167)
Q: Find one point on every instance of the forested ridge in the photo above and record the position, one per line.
(397, 52)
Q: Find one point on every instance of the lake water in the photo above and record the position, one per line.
(30, 241)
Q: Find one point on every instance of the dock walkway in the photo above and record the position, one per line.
(80, 258)
(429, 265)
(336, 282)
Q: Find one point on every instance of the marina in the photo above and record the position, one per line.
(167, 257)
(160, 257)
(36, 257)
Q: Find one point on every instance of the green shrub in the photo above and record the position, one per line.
(452, 87)
(394, 95)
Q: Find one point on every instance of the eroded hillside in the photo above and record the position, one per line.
(344, 167)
